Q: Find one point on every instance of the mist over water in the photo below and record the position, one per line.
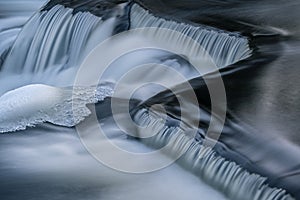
(255, 44)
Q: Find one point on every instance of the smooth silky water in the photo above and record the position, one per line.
(48, 160)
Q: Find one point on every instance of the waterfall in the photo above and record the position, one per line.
(56, 39)
(12, 19)
(224, 48)
(53, 44)
(225, 175)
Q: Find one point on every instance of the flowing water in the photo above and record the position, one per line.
(253, 47)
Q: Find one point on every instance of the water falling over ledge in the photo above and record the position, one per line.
(236, 182)
(56, 39)
(225, 48)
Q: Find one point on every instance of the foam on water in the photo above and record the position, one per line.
(53, 44)
(34, 104)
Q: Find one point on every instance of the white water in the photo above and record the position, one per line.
(13, 16)
(31, 105)
(56, 42)
(224, 48)
(227, 176)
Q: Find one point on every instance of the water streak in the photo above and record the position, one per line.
(224, 48)
(227, 176)
(56, 39)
